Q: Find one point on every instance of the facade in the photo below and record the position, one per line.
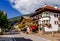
(48, 18)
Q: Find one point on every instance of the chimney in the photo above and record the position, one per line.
(55, 7)
(45, 5)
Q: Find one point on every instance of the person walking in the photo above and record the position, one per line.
(28, 29)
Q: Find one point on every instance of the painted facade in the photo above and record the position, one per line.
(49, 18)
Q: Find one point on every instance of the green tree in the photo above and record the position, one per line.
(3, 20)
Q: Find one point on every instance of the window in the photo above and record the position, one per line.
(35, 17)
(59, 18)
(48, 25)
(45, 14)
(55, 22)
(46, 21)
(59, 22)
(40, 16)
(43, 21)
(32, 18)
(55, 15)
(58, 25)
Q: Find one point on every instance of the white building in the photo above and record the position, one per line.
(49, 18)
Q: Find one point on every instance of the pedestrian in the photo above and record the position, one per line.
(28, 29)
(33, 28)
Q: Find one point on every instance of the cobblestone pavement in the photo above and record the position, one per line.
(22, 37)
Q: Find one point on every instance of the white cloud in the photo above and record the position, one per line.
(29, 6)
(11, 1)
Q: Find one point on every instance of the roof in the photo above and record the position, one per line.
(47, 8)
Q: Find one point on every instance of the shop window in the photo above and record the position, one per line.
(56, 22)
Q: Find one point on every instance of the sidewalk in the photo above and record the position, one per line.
(36, 38)
(22, 35)
(49, 36)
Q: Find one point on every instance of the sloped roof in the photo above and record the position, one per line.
(47, 8)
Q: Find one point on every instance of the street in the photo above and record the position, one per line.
(21, 37)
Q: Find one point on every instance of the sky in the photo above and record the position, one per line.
(6, 7)
(22, 7)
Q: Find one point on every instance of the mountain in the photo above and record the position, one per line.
(15, 19)
(18, 18)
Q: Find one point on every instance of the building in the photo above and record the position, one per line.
(48, 17)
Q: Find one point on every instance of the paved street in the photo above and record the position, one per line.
(21, 37)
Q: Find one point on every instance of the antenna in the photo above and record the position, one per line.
(44, 2)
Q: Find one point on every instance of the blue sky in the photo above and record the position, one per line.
(21, 7)
(11, 12)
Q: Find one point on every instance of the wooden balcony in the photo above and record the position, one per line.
(48, 25)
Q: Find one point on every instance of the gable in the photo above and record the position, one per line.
(47, 8)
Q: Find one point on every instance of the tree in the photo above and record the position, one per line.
(3, 20)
